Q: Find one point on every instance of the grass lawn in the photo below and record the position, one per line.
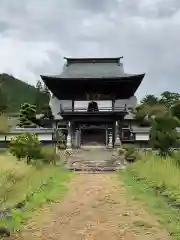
(156, 182)
(19, 181)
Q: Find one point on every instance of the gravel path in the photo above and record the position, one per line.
(95, 208)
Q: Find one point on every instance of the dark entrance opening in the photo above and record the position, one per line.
(93, 136)
(93, 107)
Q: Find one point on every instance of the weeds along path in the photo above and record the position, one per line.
(95, 208)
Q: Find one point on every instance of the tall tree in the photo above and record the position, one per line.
(144, 112)
(163, 134)
(38, 98)
(150, 100)
(3, 97)
(175, 110)
(39, 86)
(46, 91)
(42, 97)
(169, 98)
(47, 113)
(46, 119)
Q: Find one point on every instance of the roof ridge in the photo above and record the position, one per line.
(93, 60)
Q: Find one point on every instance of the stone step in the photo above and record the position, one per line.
(96, 169)
(95, 159)
(92, 157)
(93, 166)
(89, 161)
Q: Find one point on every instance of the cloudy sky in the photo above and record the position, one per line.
(36, 34)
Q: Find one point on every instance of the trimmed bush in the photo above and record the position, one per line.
(130, 154)
(26, 145)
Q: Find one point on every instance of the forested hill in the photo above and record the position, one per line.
(14, 92)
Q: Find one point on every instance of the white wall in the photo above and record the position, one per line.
(9, 136)
(55, 105)
(2, 138)
(42, 137)
(45, 137)
(142, 136)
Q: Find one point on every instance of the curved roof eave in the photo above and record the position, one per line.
(91, 78)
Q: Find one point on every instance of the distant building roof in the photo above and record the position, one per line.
(140, 129)
(31, 130)
(129, 116)
(145, 129)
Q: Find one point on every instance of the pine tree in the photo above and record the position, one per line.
(42, 97)
(47, 117)
(27, 116)
(47, 112)
(46, 92)
(39, 96)
(163, 134)
(3, 97)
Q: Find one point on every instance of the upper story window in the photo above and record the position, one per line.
(125, 125)
(97, 96)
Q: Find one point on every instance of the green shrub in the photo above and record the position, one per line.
(175, 155)
(159, 174)
(130, 154)
(26, 145)
(48, 155)
(163, 134)
(121, 151)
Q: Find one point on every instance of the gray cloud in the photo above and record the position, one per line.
(35, 35)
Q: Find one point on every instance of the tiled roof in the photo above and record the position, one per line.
(93, 68)
(140, 129)
(145, 129)
(129, 116)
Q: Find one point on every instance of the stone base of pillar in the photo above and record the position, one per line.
(110, 144)
(77, 144)
(117, 141)
(69, 146)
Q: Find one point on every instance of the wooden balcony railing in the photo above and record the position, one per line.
(100, 109)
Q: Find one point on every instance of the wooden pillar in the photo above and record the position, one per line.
(113, 102)
(106, 135)
(73, 105)
(120, 123)
(79, 137)
(73, 129)
(114, 132)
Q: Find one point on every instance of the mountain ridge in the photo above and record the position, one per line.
(15, 92)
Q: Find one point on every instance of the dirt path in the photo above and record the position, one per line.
(96, 208)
